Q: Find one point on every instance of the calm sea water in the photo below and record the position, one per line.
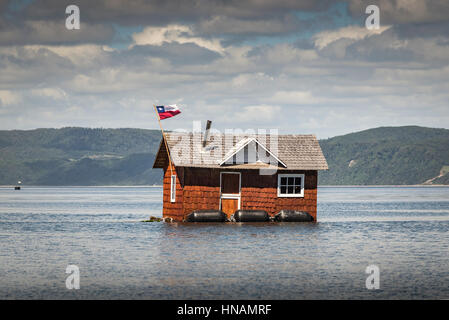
(402, 230)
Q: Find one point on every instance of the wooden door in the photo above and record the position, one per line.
(229, 206)
(230, 192)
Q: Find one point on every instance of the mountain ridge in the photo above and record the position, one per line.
(407, 155)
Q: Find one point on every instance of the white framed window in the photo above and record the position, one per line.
(173, 189)
(291, 185)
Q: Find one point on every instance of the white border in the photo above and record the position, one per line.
(291, 175)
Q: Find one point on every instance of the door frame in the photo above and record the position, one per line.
(231, 195)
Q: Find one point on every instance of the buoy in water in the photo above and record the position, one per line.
(251, 216)
(206, 216)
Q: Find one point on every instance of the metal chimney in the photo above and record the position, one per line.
(206, 133)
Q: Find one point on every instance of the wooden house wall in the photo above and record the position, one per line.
(199, 189)
(259, 192)
(170, 209)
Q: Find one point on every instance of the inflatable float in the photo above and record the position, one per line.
(251, 216)
(206, 216)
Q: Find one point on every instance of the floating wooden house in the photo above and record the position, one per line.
(228, 172)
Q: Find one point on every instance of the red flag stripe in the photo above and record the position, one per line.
(168, 114)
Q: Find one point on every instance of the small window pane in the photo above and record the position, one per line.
(297, 181)
(290, 181)
(290, 190)
(283, 181)
(173, 189)
(297, 189)
(283, 189)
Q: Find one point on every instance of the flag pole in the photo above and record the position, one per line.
(165, 140)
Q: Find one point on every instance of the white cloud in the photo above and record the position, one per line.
(324, 38)
(174, 33)
(81, 54)
(8, 98)
(295, 97)
(285, 53)
(54, 93)
(250, 79)
(256, 114)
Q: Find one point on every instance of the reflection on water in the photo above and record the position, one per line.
(403, 230)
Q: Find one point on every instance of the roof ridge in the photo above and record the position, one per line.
(297, 151)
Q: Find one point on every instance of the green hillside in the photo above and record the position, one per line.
(81, 156)
(386, 156)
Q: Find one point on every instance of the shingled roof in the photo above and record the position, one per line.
(297, 152)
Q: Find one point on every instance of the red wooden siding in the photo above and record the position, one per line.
(259, 192)
(199, 189)
(172, 209)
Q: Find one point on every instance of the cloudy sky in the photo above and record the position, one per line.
(300, 66)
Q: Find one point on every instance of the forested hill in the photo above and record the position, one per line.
(81, 156)
(387, 156)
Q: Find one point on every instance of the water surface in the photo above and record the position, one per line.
(403, 230)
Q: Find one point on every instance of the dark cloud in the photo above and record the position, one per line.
(225, 25)
(27, 68)
(53, 33)
(422, 30)
(403, 12)
(391, 46)
(236, 19)
(155, 12)
(328, 79)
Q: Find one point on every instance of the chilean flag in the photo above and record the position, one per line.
(167, 111)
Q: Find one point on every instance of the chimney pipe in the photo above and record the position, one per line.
(206, 133)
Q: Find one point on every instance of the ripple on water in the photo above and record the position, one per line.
(402, 230)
